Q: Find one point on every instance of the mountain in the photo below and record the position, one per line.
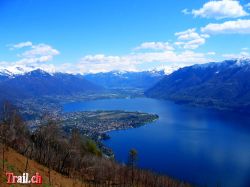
(39, 83)
(3, 77)
(121, 80)
(4, 74)
(17, 83)
(220, 85)
(15, 70)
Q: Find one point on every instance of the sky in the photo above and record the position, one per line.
(89, 36)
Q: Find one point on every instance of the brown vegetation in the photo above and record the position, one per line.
(76, 157)
(16, 163)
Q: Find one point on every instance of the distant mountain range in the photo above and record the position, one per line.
(123, 80)
(40, 83)
(220, 85)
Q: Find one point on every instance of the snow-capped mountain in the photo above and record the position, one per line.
(15, 70)
(168, 69)
(40, 83)
(113, 79)
(5, 72)
(225, 84)
(117, 79)
(21, 70)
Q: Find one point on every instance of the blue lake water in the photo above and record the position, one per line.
(198, 145)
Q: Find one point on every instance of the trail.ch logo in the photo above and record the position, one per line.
(23, 179)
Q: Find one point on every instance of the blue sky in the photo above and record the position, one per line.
(95, 35)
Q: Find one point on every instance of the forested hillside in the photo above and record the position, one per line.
(224, 85)
(75, 156)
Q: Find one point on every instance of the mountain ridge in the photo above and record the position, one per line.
(40, 83)
(220, 85)
(114, 79)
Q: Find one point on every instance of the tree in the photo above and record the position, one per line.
(132, 160)
(6, 124)
(93, 148)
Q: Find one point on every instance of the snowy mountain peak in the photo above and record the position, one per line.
(243, 61)
(15, 70)
(5, 72)
(227, 63)
(167, 69)
(12, 71)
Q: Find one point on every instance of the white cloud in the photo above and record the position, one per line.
(211, 53)
(32, 58)
(229, 27)
(36, 55)
(40, 50)
(21, 45)
(39, 53)
(99, 63)
(190, 39)
(189, 34)
(245, 54)
(185, 11)
(103, 63)
(242, 54)
(130, 62)
(165, 46)
(220, 9)
(248, 6)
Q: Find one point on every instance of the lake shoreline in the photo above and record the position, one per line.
(184, 140)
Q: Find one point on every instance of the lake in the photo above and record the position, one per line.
(198, 145)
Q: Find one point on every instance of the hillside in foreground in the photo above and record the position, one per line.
(73, 155)
(16, 163)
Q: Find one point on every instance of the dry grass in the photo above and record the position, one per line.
(15, 162)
